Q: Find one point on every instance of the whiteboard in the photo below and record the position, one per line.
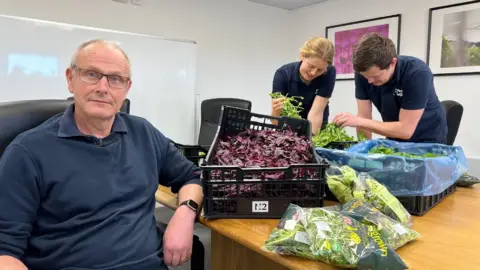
(34, 55)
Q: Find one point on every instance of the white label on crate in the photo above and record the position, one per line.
(399, 229)
(302, 237)
(290, 224)
(260, 206)
(322, 226)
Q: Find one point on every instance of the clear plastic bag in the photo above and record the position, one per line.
(333, 238)
(347, 185)
(342, 241)
(404, 172)
(394, 233)
(290, 237)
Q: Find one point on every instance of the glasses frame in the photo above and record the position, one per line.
(108, 76)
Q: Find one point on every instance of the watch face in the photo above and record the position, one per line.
(192, 204)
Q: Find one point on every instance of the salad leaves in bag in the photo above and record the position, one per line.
(290, 237)
(394, 233)
(363, 187)
(345, 242)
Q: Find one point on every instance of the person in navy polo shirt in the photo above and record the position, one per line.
(402, 90)
(312, 78)
(78, 191)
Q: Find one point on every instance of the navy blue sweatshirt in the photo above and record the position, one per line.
(71, 201)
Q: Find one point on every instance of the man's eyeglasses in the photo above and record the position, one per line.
(93, 77)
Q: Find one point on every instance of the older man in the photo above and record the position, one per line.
(77, 192)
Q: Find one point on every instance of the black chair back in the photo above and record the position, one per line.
(125, 106)
(19, 116)
(210, 117)
(454, 112)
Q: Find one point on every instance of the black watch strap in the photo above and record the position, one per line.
(192, 205)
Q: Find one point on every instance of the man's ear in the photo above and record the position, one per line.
(394, 62)
(69, 77)
(128, 87)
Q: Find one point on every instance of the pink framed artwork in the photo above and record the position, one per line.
(345, 36)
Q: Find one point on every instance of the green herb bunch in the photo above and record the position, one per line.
(291, 105)
(393, 152)
(361, 137)
(331, 133)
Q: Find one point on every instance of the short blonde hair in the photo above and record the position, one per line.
(318, 47)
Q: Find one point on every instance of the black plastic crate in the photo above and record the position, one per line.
(235, 192)
(340, 145)
(415, 205)
(419, 205)
(194, 153)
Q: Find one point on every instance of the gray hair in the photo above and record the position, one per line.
(85, 44)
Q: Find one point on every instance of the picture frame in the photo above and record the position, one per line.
(345, 36)
(453, 45)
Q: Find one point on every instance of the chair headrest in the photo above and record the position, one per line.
(19, 116)
(211, 108)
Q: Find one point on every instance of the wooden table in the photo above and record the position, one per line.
(450, 238)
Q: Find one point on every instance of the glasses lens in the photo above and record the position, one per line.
(90, 76)
(116, 81)
(93, 77)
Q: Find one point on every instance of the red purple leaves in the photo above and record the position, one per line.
(263, 148)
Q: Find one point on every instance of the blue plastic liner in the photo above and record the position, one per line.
(404, 176)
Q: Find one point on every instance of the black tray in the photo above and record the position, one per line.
(420, 205)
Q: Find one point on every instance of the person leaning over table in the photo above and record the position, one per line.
(313, 78)
(77, 192)
(402, 90)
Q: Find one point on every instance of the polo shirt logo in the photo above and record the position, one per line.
(398, 92)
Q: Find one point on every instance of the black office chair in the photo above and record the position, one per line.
(125, 106)
(210, 117)
(19, 116)
(454, 112)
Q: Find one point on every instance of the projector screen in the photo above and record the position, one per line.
(34, 55)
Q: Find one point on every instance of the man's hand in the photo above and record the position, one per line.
(347, 120)
(178, 237)
(277, 106)
(11, 263)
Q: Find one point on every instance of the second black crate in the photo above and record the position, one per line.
(420, 205)
(340, 145)
(194, 153)
(415, 205)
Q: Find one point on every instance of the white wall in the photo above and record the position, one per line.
(240, 44)
(312, 21)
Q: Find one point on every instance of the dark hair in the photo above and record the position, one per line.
(373, 50)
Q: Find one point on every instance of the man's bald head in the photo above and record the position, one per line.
(98, 42)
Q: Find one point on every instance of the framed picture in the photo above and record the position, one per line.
(453, 46)
(345, 36)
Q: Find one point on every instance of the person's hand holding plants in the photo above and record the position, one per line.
(286, 106)
(277, 105)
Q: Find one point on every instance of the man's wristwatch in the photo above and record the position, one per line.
(192, 205)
